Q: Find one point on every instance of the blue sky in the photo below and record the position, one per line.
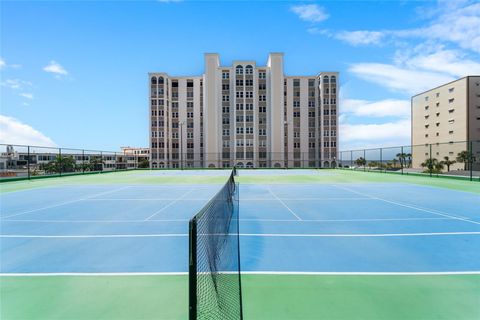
(74, 74)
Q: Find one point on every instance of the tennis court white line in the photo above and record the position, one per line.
(65, 203)
(354, 273)
(409, 206)
(284, 204)
(90, 274)
(170, 204)
(279, 235)
(248, 220)
(165, 235)
(345, 220)
(313, 273)
(245, 199)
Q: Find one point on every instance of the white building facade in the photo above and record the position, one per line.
(243, 115)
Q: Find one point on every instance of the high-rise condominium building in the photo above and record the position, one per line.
(446, 121)
(244, 115)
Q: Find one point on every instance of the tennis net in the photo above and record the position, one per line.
(214, 258)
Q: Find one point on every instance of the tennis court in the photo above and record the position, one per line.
(315, 244)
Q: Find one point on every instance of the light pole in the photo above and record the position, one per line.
(181, 144)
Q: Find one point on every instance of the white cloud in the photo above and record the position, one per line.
(55, 67)
(16, 83)
(4, 65)
(399, 78)
(310, 12)
(376, 109)
(27, 95)
(353, 136)
(361, 37)
(12, 131)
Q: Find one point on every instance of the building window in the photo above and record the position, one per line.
(225, 75)
(451, 100)
(225, 87)
(226, 132)
(225, 109)
(249, 69)
(262, 132)
(262, 75)
(239, 82)
(225, 98)
(450, 90)
(262, 86)
(262, 109)
(239, 70)
(249, 82)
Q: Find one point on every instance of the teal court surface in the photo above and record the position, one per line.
(315, 244)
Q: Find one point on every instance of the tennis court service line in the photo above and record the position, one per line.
(281, 201)
(409, 206)
(170, 204)
(279, 235)
(65, 203)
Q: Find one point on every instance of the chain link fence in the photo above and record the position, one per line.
(459, 159)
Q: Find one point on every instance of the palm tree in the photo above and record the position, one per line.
(401, 156)
(433, 165)
(465, 157)
(448, 162)
(409, 159)
(395, 161)
(360, 162)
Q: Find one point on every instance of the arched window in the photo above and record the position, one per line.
(325, 79)
(326, 164)
(239, 69)
(240, 165)
(249, 69)
(154, 80)
(249, 165)
(333, 79)
(160, 80)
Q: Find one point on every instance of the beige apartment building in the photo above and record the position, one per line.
(244, 115)
(444, 119)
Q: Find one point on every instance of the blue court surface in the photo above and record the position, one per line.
(317, 228)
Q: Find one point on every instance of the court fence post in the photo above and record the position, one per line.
(470, 158)
(83, 161)
(28, 162)
(60, 161)
(381, 159)
(402, 158)
(364, 160)
(430, 166)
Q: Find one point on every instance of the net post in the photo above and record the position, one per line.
(192, 270)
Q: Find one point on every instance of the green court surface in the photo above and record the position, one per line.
(330, 176)
(265, 297)
(315, 244)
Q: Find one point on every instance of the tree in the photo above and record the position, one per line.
(433, 165)
(448, 162)
(465, 157)
(402, 158)
(360, 162)
(144, 163)
(409, 160)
